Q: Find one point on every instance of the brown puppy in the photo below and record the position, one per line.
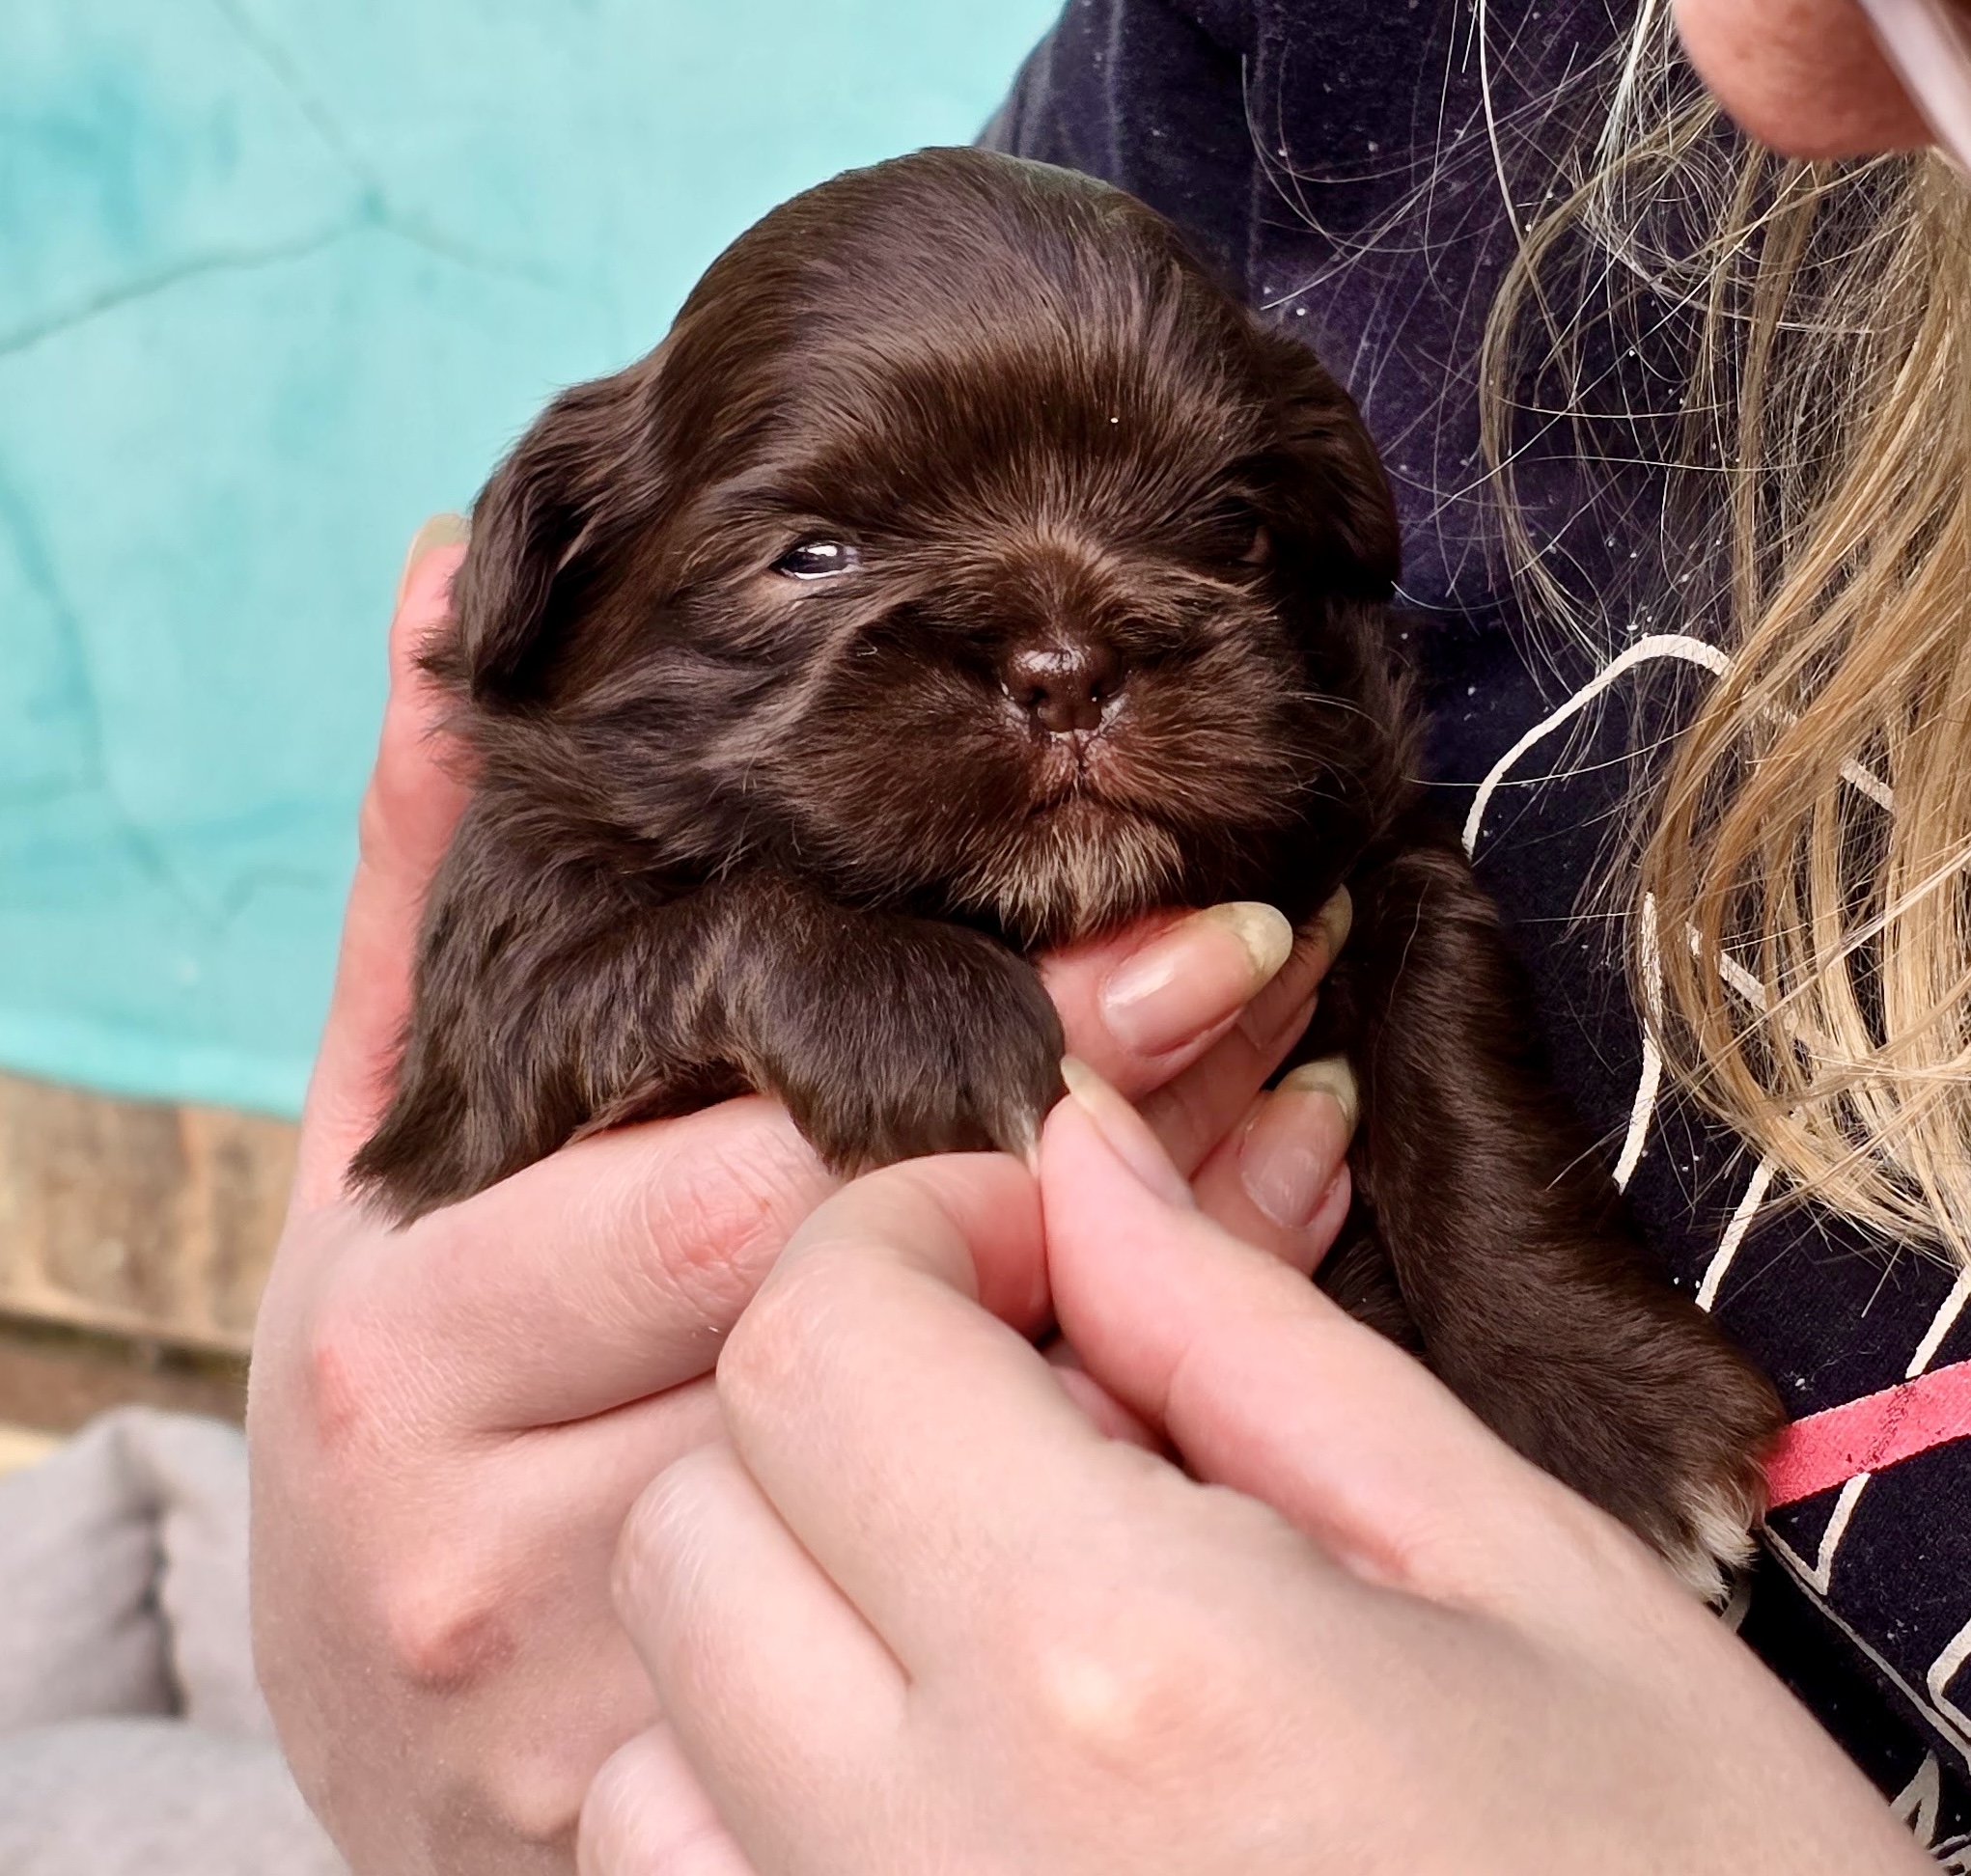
(964, 573)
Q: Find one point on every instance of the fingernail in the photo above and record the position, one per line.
(1126, 1132)
(1328, 1075)
(1274, 1019)
(1336, 920)
(1293, 1149)
(1197, 973)
(440, 531)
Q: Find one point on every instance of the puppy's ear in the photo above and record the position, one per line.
(591, 469)
(1340, 506)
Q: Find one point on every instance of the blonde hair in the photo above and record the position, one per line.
(1806, 856)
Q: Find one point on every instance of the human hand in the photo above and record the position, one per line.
(448, 1424)
(1807, 76)
(918, 1614)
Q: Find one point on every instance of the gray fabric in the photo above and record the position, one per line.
(79, 1628)
(151, 1797)
(133, 1737)
(192, 1474)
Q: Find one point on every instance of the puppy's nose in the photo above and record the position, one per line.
(1064, 684)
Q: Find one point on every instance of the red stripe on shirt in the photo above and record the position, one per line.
(1827, 1450)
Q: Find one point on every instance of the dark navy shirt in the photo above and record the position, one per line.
(1337, 162)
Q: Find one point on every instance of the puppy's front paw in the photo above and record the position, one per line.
(946, 1044)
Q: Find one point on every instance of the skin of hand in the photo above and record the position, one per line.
(915, 1611)
(1805, 76)
(449, 1423)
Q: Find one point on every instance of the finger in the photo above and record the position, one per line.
(1143, 1005)
(638, 1247)
(648, 1814)
(772, 1681)
(1194, 1110)
(1109, 1414)
(917, 1447)
(1265, 1386)
(408, 814)
(1280, 1179)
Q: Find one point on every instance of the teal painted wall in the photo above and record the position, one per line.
(277, 279)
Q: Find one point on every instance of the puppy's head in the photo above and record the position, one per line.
(964, 547)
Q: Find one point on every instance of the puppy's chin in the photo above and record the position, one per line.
(1071, 870)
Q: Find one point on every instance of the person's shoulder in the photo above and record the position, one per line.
(1147, 94)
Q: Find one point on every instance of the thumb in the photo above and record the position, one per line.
(408, 810)
(1262, 1385)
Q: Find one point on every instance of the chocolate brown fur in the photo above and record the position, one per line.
(1118, 639)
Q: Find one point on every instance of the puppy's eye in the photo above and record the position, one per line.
(1232, 533)
(817, 560)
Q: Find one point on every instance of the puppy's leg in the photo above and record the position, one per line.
(1533, 1297)
(542, 1002)
(886, 1037)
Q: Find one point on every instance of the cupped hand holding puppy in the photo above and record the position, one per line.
(915, 1611)
(450, 1423)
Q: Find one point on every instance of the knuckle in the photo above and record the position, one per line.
(659, 1530)
(636, 1820)
(366, 1379)
(1124, 1690)
(537, 1793)
(715, 1228)
(445, 1625)
(344, 1378)
(769, 1343)
(643, 1543)
(609, 1837)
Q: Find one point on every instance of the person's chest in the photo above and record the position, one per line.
(1863, 1601)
